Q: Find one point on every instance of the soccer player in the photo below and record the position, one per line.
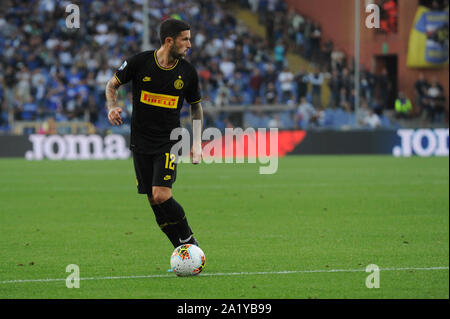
(161, 80)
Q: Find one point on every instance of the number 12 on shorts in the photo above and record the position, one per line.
(170, 159)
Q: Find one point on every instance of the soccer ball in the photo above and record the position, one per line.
(187, 260)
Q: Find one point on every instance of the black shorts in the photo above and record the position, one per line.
(154, 170)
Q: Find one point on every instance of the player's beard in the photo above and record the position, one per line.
(175, 54)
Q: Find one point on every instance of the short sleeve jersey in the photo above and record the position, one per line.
(158, 96)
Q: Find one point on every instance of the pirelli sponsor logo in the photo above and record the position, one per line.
(161, 100)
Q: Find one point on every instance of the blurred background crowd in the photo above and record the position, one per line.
(51, 71)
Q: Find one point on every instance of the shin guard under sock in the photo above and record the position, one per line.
(167, 227)
(176, 216)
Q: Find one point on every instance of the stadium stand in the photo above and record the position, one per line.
(56, 73)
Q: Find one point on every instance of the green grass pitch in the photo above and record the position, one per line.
(308, 231)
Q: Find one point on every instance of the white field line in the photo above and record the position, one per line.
(231, 274)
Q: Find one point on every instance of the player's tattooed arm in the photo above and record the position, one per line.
(197, 124)
(197, 112)
(111, 92)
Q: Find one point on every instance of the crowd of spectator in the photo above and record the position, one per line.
(55, 71)
(304, 36)
(51, 71)
(430, 100)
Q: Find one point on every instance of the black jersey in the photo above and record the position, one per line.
(158, 95)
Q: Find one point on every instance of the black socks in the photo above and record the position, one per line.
(172, 220)
(166, 227)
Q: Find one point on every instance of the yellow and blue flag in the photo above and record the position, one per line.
(428, 41)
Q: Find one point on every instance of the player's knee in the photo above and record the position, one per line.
(159, 196)
(151, 200)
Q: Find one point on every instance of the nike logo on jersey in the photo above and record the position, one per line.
(146, 79)
(167, 177)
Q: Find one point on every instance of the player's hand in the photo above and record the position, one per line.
(196, 153)
(114, 116)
